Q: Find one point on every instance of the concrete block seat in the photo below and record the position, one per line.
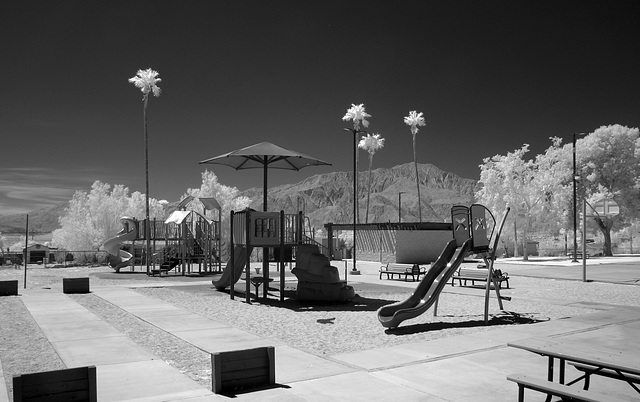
(317, 279)
(9, 288)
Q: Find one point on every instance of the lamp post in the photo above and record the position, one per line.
(359, 116)
(575, 223)
(400, 206)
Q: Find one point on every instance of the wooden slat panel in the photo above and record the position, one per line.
(75, 384)
(242, 369)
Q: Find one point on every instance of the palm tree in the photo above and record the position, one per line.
(414, 120)
(370, 143)
(147, 81)
(357, 114)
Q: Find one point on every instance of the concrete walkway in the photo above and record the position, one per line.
(462, 368)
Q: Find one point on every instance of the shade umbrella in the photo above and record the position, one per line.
(265, 155)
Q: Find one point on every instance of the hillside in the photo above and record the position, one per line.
(328, 198)
(43, 220)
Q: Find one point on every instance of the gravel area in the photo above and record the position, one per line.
(316, 328)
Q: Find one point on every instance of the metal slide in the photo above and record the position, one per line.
(129, 232)
(429, 287)
(233, 271)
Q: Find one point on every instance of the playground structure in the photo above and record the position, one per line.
(185, 238)
(469, 235)
(283, 239)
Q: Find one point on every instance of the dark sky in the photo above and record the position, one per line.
(489, 76)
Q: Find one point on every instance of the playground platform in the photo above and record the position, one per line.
(459, 368)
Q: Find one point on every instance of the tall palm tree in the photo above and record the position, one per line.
(414, 120)
(147, 81)
(370, 143)
(358, 115)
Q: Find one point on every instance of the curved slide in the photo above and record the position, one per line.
(233, 270)
(429, 287)
(129, 232)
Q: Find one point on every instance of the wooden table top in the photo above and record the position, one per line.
(627, 361)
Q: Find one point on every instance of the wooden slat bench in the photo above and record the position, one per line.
(591, 370)
(480, 275)
(406, 270)
(243, 370)
(556, 389)
(74, 384)
(9, 288)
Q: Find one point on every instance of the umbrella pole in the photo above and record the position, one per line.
(355, 194)
(265, 250)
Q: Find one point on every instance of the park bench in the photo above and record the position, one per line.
(74, 384)
(552, 388)
(473, 275)
(243, 370)
(406, 270)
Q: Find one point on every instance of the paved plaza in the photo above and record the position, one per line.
(459, 368)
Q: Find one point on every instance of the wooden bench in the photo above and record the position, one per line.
(74, 384)
(473, 275)
(242, 370)
(552, 388)
(9, 288)
(75, 285)
(406, 270)
(591, 370)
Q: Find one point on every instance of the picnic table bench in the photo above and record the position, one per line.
(555, 389)
(586, 358)
(478, 274)
(393, 268)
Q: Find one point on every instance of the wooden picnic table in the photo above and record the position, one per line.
(618, 364)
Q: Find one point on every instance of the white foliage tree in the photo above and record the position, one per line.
(512, 181)
(608, 162)
(92, 218)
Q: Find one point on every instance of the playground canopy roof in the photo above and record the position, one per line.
(178, 217)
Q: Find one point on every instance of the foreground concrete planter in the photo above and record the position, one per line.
(75, 285)
(9, 288)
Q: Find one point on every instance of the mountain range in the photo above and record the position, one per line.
(328, 198)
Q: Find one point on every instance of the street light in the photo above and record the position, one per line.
(400, 206)
(575, 223)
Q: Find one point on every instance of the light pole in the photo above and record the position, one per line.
(356, 132)
(400, 206)
(575, 223)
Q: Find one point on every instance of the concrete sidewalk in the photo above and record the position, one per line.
(462, 368)
(125, 371)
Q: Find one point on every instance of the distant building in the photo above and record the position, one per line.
(37, 253)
